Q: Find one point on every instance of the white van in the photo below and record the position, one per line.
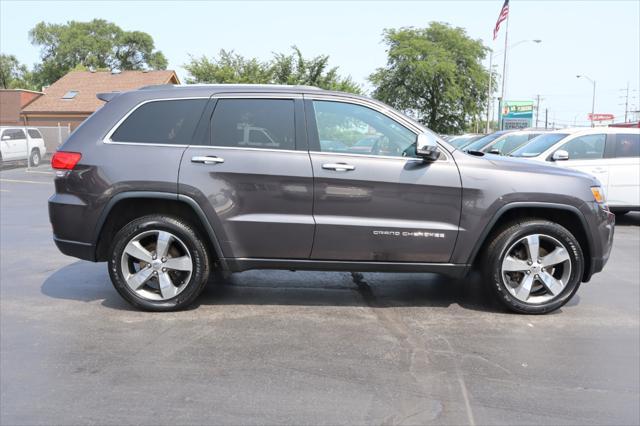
(612, 154)
(21, 143)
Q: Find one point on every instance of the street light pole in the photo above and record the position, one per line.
(489, 92)
(593, 98)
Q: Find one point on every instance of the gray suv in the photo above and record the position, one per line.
(170, 183)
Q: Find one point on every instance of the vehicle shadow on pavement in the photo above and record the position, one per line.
(89, 282)
(629, 219)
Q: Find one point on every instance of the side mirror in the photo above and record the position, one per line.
(6, 137)
(560, 155)
(427, 147)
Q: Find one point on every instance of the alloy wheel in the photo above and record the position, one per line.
(156, 265)
(536, 268)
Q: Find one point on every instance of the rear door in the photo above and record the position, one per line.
(382, 203)
(15, 147)
(252, 175)
(623, 162)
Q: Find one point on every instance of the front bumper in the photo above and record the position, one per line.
(602, 228)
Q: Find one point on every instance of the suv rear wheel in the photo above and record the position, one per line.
(34, 158)
(534, 266)
(158, 263)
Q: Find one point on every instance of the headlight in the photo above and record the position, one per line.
(598, 194)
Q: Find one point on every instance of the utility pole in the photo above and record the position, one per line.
(538, 99)
(504, 70)
(546, 118)
(626, 104)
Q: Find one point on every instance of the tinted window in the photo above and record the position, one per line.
(14, 134)
(355, 129)
(162, 122)
(627, 145)
(254, 123)
(588, 147)
(34, 133)
(538, 145)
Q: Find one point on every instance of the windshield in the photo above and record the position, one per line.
(482, 142)
(538, 145)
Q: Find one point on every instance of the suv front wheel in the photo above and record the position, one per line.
(158, 263)
(534, 266)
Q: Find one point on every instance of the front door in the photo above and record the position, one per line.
(252, 176)
(373, 199)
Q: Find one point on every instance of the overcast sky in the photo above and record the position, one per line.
(598, 38)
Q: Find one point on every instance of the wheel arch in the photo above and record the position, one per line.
(126, 206)
(562, 214)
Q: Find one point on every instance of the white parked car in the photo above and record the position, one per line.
(612, 154)
(21, 143)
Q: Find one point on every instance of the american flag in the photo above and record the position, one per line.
(504, 14)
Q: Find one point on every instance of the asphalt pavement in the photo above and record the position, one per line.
(280, 347)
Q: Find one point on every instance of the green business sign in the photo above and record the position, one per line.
(516, 114)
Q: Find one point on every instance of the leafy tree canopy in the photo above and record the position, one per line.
(14, 75)
(434, 74)
(293, 68)
(95, 44)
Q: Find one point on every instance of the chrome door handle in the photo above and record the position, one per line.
(338, 167)
(207, 160)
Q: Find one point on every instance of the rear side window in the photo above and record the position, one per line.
(34, 134)
(254, 123)
(627, 145)
(169, 122)
(588, 147)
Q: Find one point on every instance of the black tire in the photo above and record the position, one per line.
(505, 238)
(191, 240)
(34, 158)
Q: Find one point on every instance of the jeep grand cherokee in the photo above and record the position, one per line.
(168, 183)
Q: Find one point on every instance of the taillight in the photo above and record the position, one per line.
(63, 160)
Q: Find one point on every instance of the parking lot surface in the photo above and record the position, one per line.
(274, 347)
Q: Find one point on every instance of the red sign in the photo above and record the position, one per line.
(600, 117)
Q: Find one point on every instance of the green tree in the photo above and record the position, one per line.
(94, 44)
(230, 67)
(434, 74)
(14, 75)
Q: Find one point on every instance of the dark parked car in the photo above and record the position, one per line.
(169, 183)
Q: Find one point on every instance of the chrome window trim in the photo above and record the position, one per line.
(239, 148)
(107, 138)
(444, 157)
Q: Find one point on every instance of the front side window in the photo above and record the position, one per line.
(14, 134)
(588, 147)
(170, 122)
(627, 145)
(254, 123)
(355, 129)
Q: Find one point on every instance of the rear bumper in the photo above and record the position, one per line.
(84, 251)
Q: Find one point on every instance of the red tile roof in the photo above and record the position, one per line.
(88, 84)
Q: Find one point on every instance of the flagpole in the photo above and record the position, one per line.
(504, 70)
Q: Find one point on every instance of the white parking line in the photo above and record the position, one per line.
(4, 190)
(39, 171)
(25, 181)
